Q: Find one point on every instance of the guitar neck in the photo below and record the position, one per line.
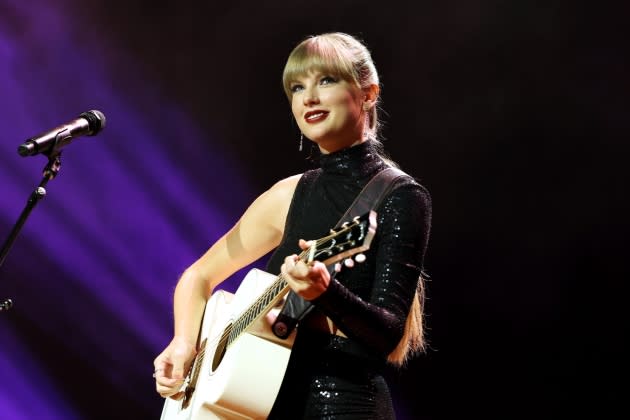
(351, 238)
(267, 300)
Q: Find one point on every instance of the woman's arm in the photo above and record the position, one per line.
(257, 232)
(377, 322)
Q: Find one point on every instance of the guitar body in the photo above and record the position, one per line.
(239, 381)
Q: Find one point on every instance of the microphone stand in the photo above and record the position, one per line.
(50, 171)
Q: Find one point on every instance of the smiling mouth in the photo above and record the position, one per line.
(315, 116)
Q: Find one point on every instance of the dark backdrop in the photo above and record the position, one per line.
(513, 114)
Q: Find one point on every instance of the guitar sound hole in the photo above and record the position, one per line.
(221, 348)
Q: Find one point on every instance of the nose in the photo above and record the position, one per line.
(310, 96)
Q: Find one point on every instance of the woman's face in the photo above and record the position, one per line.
(328, 110)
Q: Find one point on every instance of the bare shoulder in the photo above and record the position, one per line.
(285, 187)
(278, 197)
(270, 209)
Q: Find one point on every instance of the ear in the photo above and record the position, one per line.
(370, 96)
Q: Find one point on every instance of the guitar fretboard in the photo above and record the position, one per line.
(260, 306)
(349, 239)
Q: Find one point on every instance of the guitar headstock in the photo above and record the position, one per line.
(349, 239)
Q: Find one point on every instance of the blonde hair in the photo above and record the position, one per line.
(413, 341)
(340, 55)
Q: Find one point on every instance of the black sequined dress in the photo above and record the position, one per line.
(329, 376)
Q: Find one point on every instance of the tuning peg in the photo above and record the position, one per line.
(360, 258)
(348, 262)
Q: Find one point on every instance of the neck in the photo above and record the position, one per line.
(325, 149)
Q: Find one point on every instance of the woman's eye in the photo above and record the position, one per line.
(296, 88)
(327, 80)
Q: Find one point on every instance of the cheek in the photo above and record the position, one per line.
(349, 101)
(296, 110)
(352, 108)
(297, 116)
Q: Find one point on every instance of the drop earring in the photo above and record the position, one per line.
(301, 141)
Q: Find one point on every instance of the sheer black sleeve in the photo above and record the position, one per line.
(377, 321)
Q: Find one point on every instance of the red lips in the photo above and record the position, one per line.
(316, 116)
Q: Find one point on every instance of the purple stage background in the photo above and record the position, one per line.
(515, 118)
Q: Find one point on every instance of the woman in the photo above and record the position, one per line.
(362, 317)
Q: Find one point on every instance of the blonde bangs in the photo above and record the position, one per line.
(320, 55)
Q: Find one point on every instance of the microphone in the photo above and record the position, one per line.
(89, 123)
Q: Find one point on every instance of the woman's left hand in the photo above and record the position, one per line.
(307, 280)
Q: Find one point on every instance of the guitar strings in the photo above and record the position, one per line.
(225, 334)
(270, 291)
(228, 330)
(262, 301)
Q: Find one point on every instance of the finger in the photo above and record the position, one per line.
(288, 267)
(167, 387)
(305, 244)
(159, 367)
(319, 273)
(160, 362)
(288, 262)
(179, 357)
(291, 260)
(178, 395)
(284, 269)
(177, 371)
(163, 376)
(299, 270)
(166, 392)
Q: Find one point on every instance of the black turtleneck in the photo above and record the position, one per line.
(369, 302)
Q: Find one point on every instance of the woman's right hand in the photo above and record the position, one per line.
(171, 366)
